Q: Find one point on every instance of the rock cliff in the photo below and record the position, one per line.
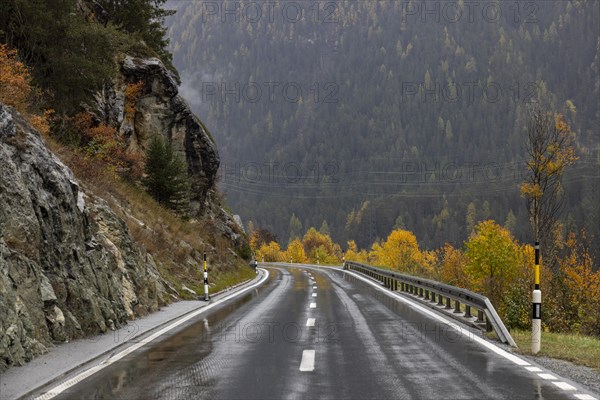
(144, 102)
(68, 265)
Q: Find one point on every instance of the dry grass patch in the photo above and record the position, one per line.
(176, 244)
(579, 349)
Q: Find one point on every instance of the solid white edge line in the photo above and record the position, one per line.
(308, 361)
(310, 322)
(583, 396)
(89, 372)
(459, 329)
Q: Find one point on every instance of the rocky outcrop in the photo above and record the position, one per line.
(155, 108)
(68, 265)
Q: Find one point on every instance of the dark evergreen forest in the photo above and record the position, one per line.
(371, 115)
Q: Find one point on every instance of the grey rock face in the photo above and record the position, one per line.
(68, 266)
(159, 110)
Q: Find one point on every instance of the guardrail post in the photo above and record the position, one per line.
(479, 317)
(468, 311)
(457, 307)
(442, 295)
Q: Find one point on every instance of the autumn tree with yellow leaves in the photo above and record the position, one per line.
(550, 146)
(354, 254)
(400, 251)
(319, 247)
(492, 258)
(295, 252)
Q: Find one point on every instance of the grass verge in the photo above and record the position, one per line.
(581, 350)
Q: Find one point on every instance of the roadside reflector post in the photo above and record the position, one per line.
(536, 321)
(206, 298)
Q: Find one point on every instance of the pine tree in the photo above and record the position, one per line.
(166, 176)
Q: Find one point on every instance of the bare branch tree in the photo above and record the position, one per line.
(550, 147)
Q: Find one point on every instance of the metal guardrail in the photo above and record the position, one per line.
(441, 296)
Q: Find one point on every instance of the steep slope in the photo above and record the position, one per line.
(159, 110)
(69, 266)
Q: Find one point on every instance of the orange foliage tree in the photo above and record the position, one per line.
(133, 91)
(320, 247)
(15, 82)
(452, 268)
(102, 142)
(581, 288)
(16, 89)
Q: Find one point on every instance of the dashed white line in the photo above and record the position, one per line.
(314, 295)
(314, 287)
(533, 369)
(310, 322)
(308, 361)
(548, 377)
(564, 386)
(313, 305)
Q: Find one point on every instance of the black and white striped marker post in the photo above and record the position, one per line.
(536, 321)
(206, 298)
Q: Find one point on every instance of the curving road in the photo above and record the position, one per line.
(320, 334)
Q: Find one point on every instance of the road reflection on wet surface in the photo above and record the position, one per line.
(314, 333)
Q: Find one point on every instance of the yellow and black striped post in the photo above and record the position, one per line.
(536, 321)
(206, 298)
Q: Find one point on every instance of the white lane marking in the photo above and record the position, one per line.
(456, 327)
(584, 396)
(308, 361)
(533, 369)
(548, 377)
(314, 287)
(564, 386)
(55, 391)
(310, 322)
(313, 305)
(314, 295)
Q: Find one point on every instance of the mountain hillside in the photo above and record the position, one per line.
(379, 114)
(85, 246)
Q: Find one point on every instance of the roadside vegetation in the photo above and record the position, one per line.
(100, 161)
(491, 262)
(579, 349)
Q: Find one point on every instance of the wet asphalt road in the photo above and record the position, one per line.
(365, 345)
